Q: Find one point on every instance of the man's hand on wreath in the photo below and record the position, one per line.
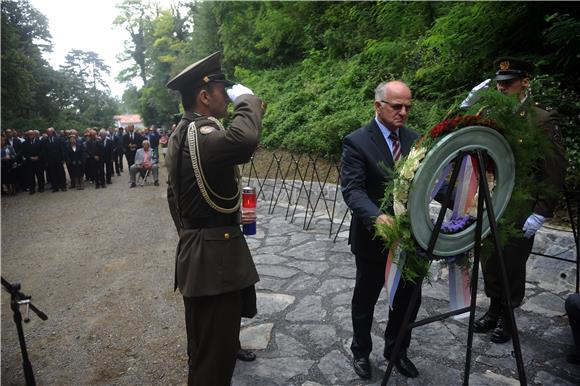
(385, 219)
(533, 224)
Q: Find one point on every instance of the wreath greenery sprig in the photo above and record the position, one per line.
(503, 113)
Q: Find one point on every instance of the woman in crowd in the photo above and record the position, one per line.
(8, 164)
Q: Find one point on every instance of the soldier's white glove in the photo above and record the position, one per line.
(532, 225)
(237, 90)
(474, 94)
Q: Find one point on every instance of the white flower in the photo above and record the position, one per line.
(399, 208)
(401, 190)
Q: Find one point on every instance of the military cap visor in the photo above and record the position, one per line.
(200, 73)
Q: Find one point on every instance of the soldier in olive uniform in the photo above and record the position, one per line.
(513, 78)
(214, 269)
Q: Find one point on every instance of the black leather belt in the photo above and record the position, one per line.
(211, 222)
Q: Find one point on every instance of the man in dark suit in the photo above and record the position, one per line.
(31, 153)
(214, 269)
(369, 153)
(107, 154)
(118, 151)
(53, 149)
(131, 142)
(94, 154)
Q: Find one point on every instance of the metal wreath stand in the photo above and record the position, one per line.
(484, 144)
(18, 299)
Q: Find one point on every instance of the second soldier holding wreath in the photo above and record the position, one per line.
(214, 269)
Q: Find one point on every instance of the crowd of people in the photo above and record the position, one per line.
(32, 160)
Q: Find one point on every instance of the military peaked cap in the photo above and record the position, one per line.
(512, 68)
(199, 73)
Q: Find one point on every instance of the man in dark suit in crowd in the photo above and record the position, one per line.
(94, 153)
(131, 142)
(53, 149)
(107, 143)
(31, 153)
(215, 296)
(369, 153)
(118, 151)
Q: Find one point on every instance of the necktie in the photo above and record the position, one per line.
(396, 147)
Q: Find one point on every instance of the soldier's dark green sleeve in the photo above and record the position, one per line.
(236, 144)
(553, 165)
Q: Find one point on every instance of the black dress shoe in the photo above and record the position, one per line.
(404, 365)
(362, 367)
(486, 323)
(246, 355)
(502, 333)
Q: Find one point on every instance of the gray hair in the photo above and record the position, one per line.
(380, 91)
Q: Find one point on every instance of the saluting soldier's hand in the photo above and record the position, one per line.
(237, 90)
(248, 217)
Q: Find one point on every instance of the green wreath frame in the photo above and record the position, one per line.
(443, 152)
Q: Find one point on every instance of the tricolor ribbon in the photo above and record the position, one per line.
(395, 261)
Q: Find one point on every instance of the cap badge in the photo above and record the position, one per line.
(206, 79)
(504, 65)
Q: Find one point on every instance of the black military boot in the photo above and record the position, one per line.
(503, 332)
(489, 320)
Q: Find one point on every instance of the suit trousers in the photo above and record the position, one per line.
(213, 327)
(118, 160)
(515, 254)
(370, 279)
(108, 171)
(56, 174)
(34, 173)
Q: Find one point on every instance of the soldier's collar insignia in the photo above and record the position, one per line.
(504, 65)
(207, 129)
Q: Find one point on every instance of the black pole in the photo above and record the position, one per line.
(494, 234)
(15, 297)
(434, 235)
(474, 279)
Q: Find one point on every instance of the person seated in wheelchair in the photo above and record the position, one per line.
(145, 162)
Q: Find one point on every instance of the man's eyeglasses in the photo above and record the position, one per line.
(397, 106)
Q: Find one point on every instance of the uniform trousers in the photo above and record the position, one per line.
(515, 254)
(370, 278)
(213, 327)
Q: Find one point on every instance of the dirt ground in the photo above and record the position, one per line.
(99, 263)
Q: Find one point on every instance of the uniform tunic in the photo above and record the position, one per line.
(550, 173)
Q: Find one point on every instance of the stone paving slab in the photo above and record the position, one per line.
(303, 328)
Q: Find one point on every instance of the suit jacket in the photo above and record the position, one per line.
(107, 149)
(53, 150)
(211, 260)
(140, 156)
(366, 163)
(76, 157)
(137, 141)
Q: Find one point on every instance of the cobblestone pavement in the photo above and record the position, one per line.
(303, 329)
(104, 276)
